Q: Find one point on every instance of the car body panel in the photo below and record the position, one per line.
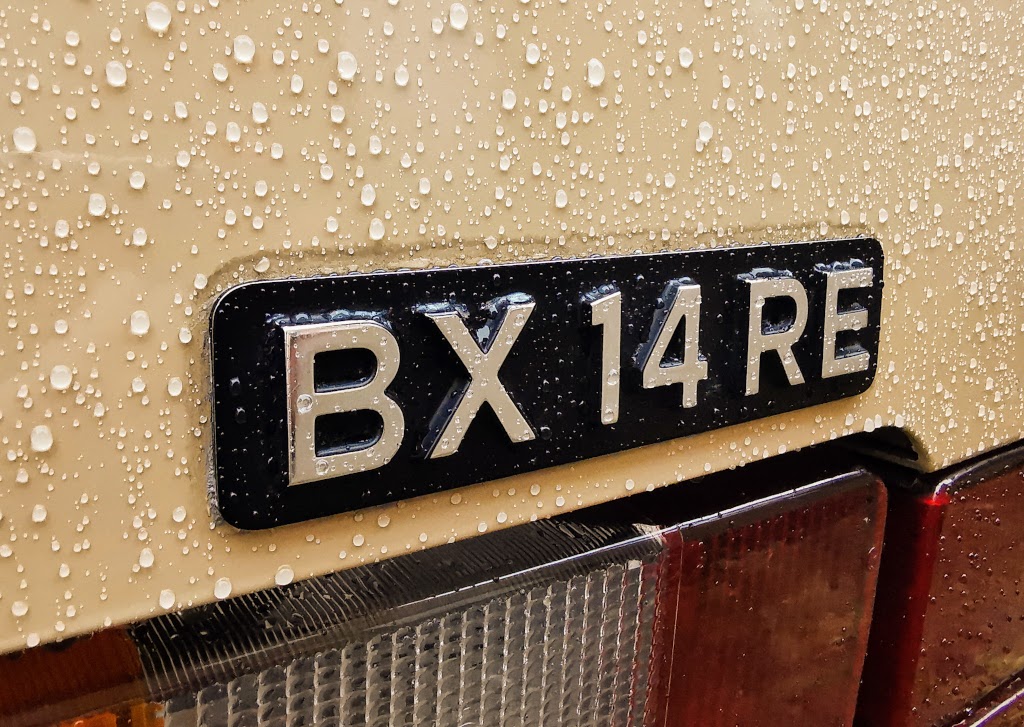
(899, 122)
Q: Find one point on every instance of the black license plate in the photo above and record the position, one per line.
(337, 393)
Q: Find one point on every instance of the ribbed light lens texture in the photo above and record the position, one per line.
(565, 654)
(746, 601)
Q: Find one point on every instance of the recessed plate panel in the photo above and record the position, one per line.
(337, 393)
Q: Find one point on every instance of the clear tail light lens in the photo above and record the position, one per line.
(742, 598)
(948, 634)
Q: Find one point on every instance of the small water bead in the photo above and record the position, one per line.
(244, 49)
(24, 139)
(347, 65)
(458, 16)
(368, 195)
(376, 229)
(60, 377)
(158, 17)
(146, 558)
(41, 438)
(97, 205)
(532, 54)
(136, 180)
(595, 73)
(139, 323)
(117, 76)
(222, 588)
(166, 599)
(685, 57)
(284, 575)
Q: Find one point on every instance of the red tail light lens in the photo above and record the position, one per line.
(948, 633)
(679, 607)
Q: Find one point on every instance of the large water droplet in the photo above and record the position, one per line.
(158, 17)
(595, 73)
(347, 65)
(244, 49)
(117, 76)
(458, 16)
(41, 438)
(24, 139)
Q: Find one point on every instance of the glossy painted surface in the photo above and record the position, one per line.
(152, 157)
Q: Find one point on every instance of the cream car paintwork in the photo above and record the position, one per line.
(898, 120)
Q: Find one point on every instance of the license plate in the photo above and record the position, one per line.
(337, 393)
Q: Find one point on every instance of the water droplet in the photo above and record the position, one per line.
(146, 558)
(347, 65)
(166, 599)
(158, 17)
(140, 323)
(259, 113)
(508, 99)
(60, 377)
(685, 57)
(19, 608)
(41, 438)
(97, 205)
(178, 515)
(402, 76)
(174, 386)
(244, 49)
(561, 199)
(705, 131)
(117, 76)
(595, 73)
(532, 54)
(39, 514)
(137, 180)
(376, 229)
(458, 16)
(222, 588)
(284, 575)
(368, 195)
(24, 139)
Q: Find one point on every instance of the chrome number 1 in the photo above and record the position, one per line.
(606, 311)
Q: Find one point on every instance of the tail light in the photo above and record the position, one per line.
(677, 607)
(947, 640)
